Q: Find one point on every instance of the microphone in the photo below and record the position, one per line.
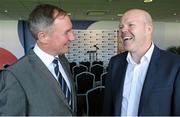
(96, 47)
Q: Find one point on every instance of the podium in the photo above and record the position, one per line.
(92, 55)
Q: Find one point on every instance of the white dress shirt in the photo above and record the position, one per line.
(47, 59)
(134, 80)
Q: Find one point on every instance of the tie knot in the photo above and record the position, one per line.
(55, 61)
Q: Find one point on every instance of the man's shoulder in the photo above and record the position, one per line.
(122, 55)
(169, 55)
(166, 58)
(21, 63)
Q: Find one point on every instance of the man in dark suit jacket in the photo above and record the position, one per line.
(30, 86)
(145, 80)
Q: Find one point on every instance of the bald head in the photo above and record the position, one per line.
(139, 13)
(136, 31)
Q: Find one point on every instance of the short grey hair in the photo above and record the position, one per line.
(42, 18)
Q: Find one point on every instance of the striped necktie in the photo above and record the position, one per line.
(62, 82)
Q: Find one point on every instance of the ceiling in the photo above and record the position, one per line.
(161, 10)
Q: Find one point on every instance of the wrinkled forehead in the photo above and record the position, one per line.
(136, 15)
(132, 17)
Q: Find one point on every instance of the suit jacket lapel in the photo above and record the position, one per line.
(45, 74)
(120, 77)
(64, 63)
(150, 79)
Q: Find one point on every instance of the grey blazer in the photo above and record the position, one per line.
(29, 88)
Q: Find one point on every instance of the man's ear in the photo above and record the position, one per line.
(42, 37)
(149, 28)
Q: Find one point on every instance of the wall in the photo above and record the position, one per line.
(93, 45)
(9, 38)
(165, 35)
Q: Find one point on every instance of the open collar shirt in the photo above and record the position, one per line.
(134, 80)
(47, 59)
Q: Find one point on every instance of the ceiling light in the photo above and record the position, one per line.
(96, 12)
(5, 11)
(174, 14)
(69, 14)
(147, 1)
(120, 14)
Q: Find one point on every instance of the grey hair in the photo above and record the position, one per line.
(42, 18)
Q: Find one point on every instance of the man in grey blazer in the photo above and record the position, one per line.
(30, 86)
(144, 80)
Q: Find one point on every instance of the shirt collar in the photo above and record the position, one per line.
(147, 55)
(45, 57)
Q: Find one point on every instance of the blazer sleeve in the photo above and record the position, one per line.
(108, 100)
(12, 96)
(176, 95)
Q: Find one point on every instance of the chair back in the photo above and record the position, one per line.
(84, 82)
(97, 62)
(78, 69)
(103, 78)
(72, 64)
(97, 70)
(87, 64)
(94, 100)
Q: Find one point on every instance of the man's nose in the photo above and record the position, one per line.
(124, 29)
(72, 36)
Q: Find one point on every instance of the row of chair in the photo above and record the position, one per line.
(91, 102)
(88, 64)
(85, 82)
(95, 69)
(94, 101)
(90, 81)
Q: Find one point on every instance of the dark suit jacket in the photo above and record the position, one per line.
(161, 90)
(29, 88)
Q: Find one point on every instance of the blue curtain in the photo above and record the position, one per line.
(25, 36)
(82, 25)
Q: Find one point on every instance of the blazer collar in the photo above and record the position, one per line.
(119, 71)
(70, 78)
(150, 78)
(43, 71)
